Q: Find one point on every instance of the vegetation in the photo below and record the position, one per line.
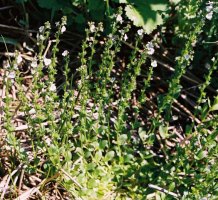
(121, 104)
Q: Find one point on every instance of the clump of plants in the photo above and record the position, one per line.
(106, 123)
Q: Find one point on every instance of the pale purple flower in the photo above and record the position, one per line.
(150, 48)
(47, 61)
(19, 59)
(209, 8)
(209, 15)
(154, 63)
(6, 64)
(32, 111)
(12, 75)
(41, 29)
(65, 53)
(140, 32)
(63, 29)
(52, 87)
(92, 28)
(187, 57)
(34, 63)
(119, 19)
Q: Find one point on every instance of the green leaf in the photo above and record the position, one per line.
(201, 154)
(92, 183)
(215, 9)
(103, 144)
(215, 105)
(109, 156)
(96, 6)
(146, 14)
(78, 2)
(98, 156)
(128, 158)
(172, 186)
(55, 5)
(50, 4)
(163, 131)
(175, 1)
(157, 196)
(121, 1)
(91, 166)
(122, 139)
(204, 111)
(80, 19)
(143, 134)
(7, 40)
(68, 156)
(21, 1)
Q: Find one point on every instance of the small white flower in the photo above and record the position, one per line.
(34, 63)
(41, 37)
(32, 111)
(64, 20)
(209, 8)
(52, 87)
(12, 75)
(48, 141)
(205, 153)
(47, 25)
(90, 44)
(150, 51)
(175, 117)
(91, 39)
(41, 29)
(112, 79)
(177, 58)
(150, 48)
(140, 32)
(110, 35)
(119, 19)
(154, 63)
(63, 29)
(65, 53)
(19, 59)
(6, 64)
(122, 32)
(15, 66)
(101, 28)
(187, 57)
(83, 67)
(47, 61)
(7, 148)
(125, 37)
(92, 28)
(149, 45)
(209, 15)
(57, 23)
(207, 66)
(204, 100)
(33, 71)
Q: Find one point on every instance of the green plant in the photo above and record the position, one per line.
(147, 15)
(100, 134)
